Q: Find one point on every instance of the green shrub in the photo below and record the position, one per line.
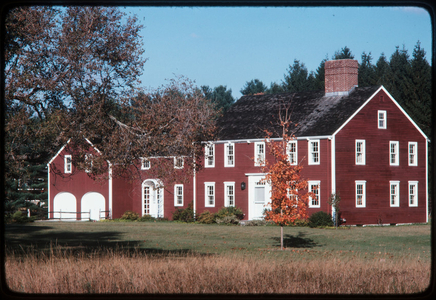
(206, 217)
(228, 220)
(230, 211)
(184, 215)
(320, 219)
(146, 218)
(130, 216)
(18, 217)
(257, 223)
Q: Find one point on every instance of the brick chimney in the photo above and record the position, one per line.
(340, 76)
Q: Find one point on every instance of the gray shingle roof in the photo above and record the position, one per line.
(314, 113)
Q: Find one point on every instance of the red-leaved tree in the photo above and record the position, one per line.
(288, 199)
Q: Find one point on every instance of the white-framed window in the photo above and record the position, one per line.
(413, 153)
(394, 153)
(209, 156)
(88, 163)
(68, 164)
(229, 194)
(313, 152)
(315, 188)
(413, 193)
(292, 152)
(360, 152)
(178, 195)
(360, 193)
(259, 153)
(145, 163)
(394, 191)
(178, 162)
(229, 155)
(209, 194)
(381, 119)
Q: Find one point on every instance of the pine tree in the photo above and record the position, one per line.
(366, 71)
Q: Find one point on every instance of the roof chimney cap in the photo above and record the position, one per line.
(340, 76)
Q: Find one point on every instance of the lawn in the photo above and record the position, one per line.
(394, 259)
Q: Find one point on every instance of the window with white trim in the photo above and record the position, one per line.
(178, 162)
(178, 195)
(394, 193)
(360, 193)
(229, 194)
(209, 156)
(413, 153)
(314, 152)
(145, 163)
(68, 165)
(360, 152)
(229, 155)
(209, 194)
(259, 153)
(413, 193)
(314, 187)
(393, 153)
(292, 152)
(381, 119)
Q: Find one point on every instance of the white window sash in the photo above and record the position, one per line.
(259, 153)
(68, 165)
(178, 195)
(413, 193)
(145, 163)
(394, 153)
(360, 193)
(292, 152)
(314, 152)
(360, 152)
(229, 155)
(413, 153)
(209, 156)
(209, 194)
(315, 187)
(178, 162)
(394, 193)
(229, 192)
(381, 119)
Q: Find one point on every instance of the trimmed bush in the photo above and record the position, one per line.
(206, 217)
(230, 211)
(320, 219)
(184, 215)
(228, 220)
(130, 216)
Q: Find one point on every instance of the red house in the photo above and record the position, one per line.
(355, 141)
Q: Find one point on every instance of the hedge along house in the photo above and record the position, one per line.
(355, 141)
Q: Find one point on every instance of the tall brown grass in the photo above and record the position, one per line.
(120, 271)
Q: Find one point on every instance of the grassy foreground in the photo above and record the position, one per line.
(166, 257)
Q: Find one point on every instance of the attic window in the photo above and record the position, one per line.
(145, 163)
(67, 164)
(381, 119)
(178, 162)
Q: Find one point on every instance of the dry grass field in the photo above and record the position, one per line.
(221, 259)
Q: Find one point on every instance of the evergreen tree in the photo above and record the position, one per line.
(297, 78)
(344, 53)
(366, 71)
(275, 88)
(220, 96)
(252, 87)
(381, 70)
(320, 76)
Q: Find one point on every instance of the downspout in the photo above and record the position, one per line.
(333, 166)
(110, 191)
(48, 192)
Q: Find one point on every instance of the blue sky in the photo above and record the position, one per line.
(232, 45)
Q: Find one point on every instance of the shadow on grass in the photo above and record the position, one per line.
(22, 239)
(298, 241)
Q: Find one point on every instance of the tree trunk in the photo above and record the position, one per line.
(281, 237)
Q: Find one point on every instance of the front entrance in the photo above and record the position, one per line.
(152, 198)
(259, 195)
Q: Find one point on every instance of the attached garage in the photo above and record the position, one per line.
(64, 206)
(93, 202)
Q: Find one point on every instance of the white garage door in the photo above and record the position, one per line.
(95, 202)
(64, 206)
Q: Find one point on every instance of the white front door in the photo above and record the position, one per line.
(259, 195)
(152, 199)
